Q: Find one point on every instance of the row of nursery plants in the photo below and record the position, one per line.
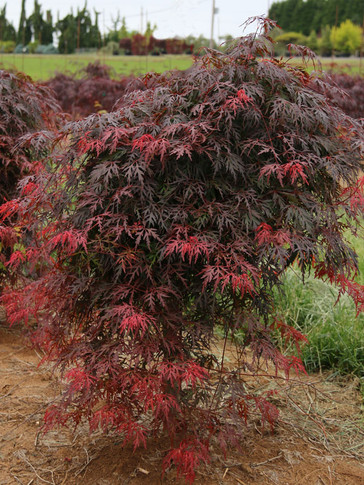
(93, 89)
(96, 89)
(134, 234)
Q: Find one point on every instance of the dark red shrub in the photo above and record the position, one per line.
(347, 92)
(140, 45)
(91, 90)
(25, 108)
(176, 214)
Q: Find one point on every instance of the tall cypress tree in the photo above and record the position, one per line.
(22, 25)
(7, 31)
(37, 22)
(48, 29)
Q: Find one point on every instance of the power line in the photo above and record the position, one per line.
(163, 10)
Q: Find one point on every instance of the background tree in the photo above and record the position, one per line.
(7, 31)
(303, 16)
(113, 34)
(312, 41)
(67, 28)
(116, 33)
(37, 22)
(24, 34)
(48, 29)
(95, 35)
(346, 38)
(78, 32)
(285, 38)
(42, 29)
(324, 42)
(124, 31)
(88, 34)
(198, 42)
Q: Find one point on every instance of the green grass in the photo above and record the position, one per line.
(348, 65)
(335, 333)
(43, 67)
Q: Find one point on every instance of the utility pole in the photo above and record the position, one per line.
(141, 20)
(335, 29)
(78, 30)
(214, 11)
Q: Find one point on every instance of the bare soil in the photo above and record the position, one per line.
(319, 441)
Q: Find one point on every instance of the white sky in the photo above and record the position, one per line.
(172, 17)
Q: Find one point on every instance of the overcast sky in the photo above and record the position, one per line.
(172, 17)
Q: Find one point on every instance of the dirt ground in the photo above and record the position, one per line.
(299, 452)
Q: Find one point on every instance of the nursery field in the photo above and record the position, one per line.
(43, 67)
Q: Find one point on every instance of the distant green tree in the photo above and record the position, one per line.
(286, 38)
(346, 38)
(198, 42)
(291, 38)
(282, 13)
(7, 31)
(78, 32)
(113, 34)
(84, 24)
(124, 32)
(88, 34)
(67, 28)
(312, 41)
(36, 21)
(305, 15)
(301, 17)
(24, 34)
(314, 18)
(324, 42)
(48, 29)
(94, 34)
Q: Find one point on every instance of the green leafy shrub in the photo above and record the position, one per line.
(7, 46)
(347, 38)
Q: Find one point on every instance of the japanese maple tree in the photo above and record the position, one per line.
(175, 214)
(25, 108)
(91, 89)
(347, 92)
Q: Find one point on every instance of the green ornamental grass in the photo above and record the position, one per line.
(334, 331)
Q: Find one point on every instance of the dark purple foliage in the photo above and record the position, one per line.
(91, 90)
(25, 108)
(350, 96)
